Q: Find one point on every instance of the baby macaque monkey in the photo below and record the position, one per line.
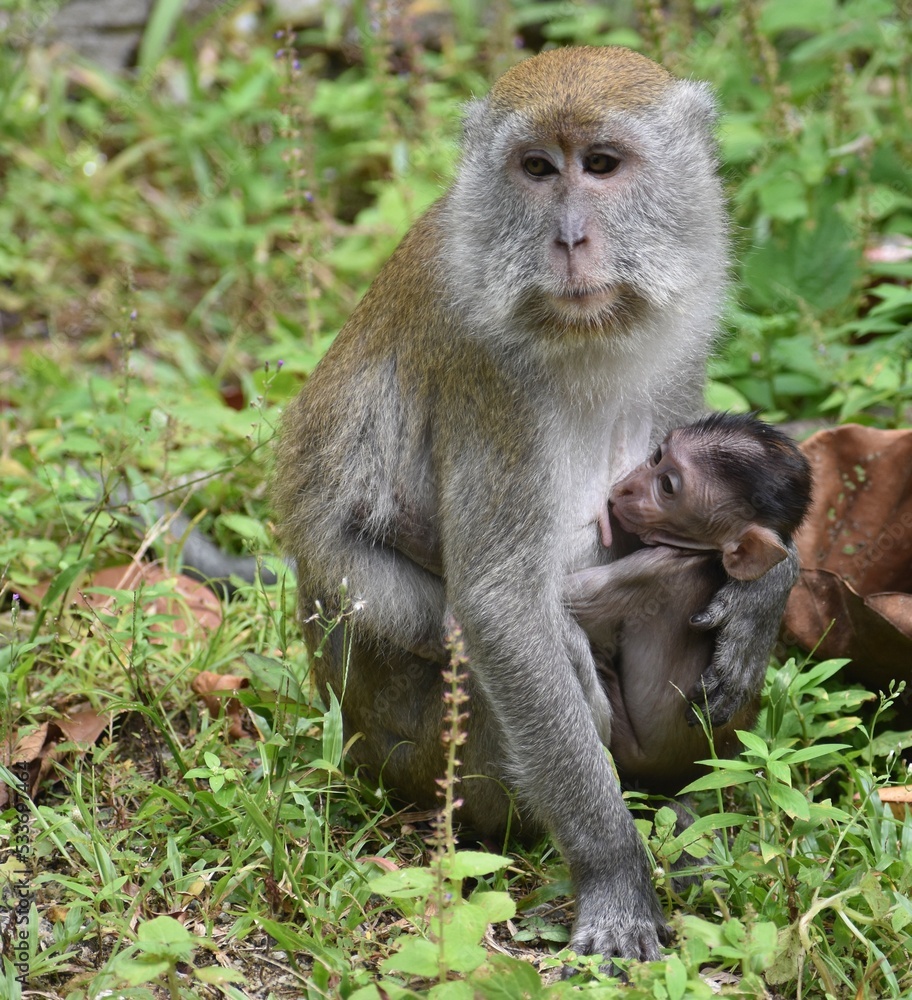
(717, 500)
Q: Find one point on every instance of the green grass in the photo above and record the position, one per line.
(168, 241)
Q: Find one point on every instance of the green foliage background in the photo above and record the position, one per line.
(186, 240)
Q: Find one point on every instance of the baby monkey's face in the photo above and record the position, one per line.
(681, 497)
(671, 498)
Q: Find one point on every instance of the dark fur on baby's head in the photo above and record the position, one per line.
(758, 464)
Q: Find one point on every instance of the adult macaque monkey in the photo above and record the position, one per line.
(563, 294)
(718, 500)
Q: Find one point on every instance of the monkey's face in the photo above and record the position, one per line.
(669, 499)
(587, 195)
(567, 181)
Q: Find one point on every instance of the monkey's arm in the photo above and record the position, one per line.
(339, 517)
(626, 592)
(502, 551)
(747, 615)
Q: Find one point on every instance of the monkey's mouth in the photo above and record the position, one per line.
(597, 296)
(631, 527)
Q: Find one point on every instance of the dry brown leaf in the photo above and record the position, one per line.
(194, 606)
(29, 747)
(375, 859)
(856, 553)
(84, 726)
(898, 798)
(206, 683)
(38, 750)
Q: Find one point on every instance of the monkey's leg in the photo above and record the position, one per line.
(556, 761)
(393, 703)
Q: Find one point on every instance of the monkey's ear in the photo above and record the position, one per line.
(473, 113)
(755, 552)
(696, 100)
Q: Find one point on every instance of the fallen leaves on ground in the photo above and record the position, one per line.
(191, 605)
(207, 685)
(38, 749)
(856, 554)
(899, 798)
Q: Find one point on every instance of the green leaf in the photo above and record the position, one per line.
(142, 969)
(416, 957)
(811, 261)
(472, 864)
(719, 779)
(390, 992)
(716, 821)
(739, 137)
(782, 15)
(778, 771)
(159, 26)
(720, 396)
(165, 936)
(675, 977)
(273, 675)
(702, 930)
(496, 906)
(459, 924)
(215, 975)
(462, 955)
(784, 198)
(407, 883)
(249, 528)
(786, 963)
(454, 989)
(64, 580)
(506, 978)
(812, 753)
(293, 939)
(790, 800)
(332, 731)
(753, 742)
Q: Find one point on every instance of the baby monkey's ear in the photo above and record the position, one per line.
(753, 553)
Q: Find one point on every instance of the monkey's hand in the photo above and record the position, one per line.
(619, 918)
(747, 615)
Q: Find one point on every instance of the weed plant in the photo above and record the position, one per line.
(179, 247)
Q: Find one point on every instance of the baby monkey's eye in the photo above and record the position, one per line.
(656, 456)
(667, 485)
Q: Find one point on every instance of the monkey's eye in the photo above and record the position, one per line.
(602, 163)
(538, 166)
(656, 456)
(667, 485)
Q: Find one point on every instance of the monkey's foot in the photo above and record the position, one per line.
(617, 928)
